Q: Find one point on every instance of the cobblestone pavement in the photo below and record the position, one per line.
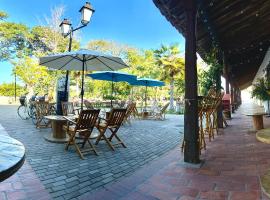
(66, 176)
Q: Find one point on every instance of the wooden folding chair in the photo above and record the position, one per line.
(88, 104)
(130, 109)
(42, 109)
(161, 114)
(68, 108)
(135, 113)
(80, 131)
(113, 124)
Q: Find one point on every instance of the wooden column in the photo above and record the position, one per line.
(235, 97)
(227, 87)
(219, 110)
(191, 130)
(240, 97)
(232, 98)
(226, 74)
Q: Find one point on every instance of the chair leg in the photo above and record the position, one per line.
(92, 147)
(108, 142)
(70, 141)
(78, 150)
(120, 141)
(116, 136)
(102, 135)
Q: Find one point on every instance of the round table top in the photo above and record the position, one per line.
(12, 156)
(256, 114)
(55, 117)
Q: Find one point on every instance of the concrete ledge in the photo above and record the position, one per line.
(265, 183)
(263, 135)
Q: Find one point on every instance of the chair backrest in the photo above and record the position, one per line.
(88, 104)
(117, 116)
(164, 108)
(122, 104)
(130, 109)
(42, 108)
(87, 119)
(67, 108)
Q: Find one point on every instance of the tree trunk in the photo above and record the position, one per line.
(171, 94)
(30, 90)
(77, 88)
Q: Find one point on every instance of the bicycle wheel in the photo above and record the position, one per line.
(33, 114)
(23, 112)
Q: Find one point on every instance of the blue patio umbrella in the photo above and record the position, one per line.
(147, 82)
(113, 76)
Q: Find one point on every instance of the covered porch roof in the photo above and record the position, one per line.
(238, 28)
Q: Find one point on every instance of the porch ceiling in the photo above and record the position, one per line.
(240, 29)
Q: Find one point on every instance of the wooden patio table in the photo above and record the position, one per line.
(12, 156)
(257, 120)
(58, 135)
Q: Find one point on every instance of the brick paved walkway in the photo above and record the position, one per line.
(231, 169)
(66, 176)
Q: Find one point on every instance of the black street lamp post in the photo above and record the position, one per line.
(67, 30)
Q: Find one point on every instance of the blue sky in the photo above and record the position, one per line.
(134, 22)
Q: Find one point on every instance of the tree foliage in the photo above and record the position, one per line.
(7, 89)
(37, 78)
(13, 41)
(168, 57)
(260, 90)
(211, 76)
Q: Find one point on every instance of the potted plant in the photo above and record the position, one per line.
(260, 91)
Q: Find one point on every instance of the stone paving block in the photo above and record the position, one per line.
(57, 183)
(58, 188)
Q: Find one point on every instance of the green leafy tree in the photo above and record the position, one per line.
(37, 78)
(3, 15)
(8, 89)
(109, 47)
(168, 57)
(13, 42)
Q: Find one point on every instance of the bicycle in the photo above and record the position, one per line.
(22, 110)
(27, 109)
(51, 109)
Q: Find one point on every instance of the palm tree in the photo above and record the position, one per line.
(168, 57)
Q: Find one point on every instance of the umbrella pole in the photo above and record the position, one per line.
(82, 91)
(145, 98)
(131, 93)
(112, 95)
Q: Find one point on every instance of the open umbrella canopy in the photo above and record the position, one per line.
(113, 76)
(147, 82)
(82, 60)
(94, 61)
